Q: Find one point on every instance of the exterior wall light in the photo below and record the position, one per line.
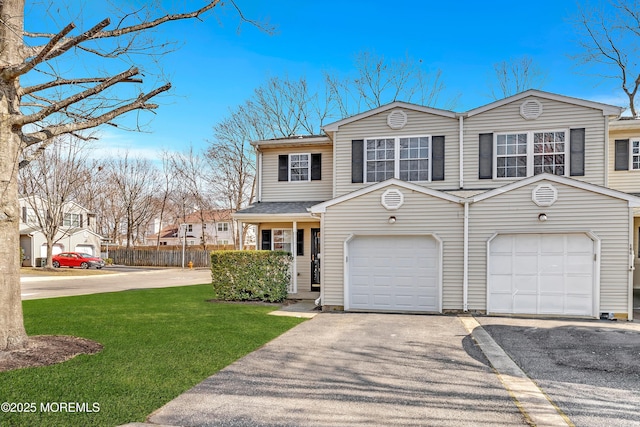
(542, 217)
(392, 220)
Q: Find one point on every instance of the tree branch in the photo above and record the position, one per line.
(57, 106)
(46, 135)
(62, 82)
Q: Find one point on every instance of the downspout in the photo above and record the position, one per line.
(631, 266)
(461, 149)
(465, 260)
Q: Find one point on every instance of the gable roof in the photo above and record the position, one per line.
(396, 104)
(607, 110)
(322, 207)
(633, 200)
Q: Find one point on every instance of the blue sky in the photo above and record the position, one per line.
(219, 65)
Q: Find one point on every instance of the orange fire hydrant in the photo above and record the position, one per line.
(190, 264)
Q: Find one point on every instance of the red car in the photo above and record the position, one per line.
(76, 259)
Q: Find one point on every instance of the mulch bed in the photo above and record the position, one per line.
(45, 350)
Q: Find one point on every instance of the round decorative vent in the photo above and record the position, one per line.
(544, 195)
(397, 119)
(392, 199)
(531, 109)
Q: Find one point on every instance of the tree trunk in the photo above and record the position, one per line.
(12, 333)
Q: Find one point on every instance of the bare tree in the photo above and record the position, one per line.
(135, 181)
(232, 161)
(516, 75)
(58, 103)
(196, 179)
(50, 185)
(380, 81)
(610, 40)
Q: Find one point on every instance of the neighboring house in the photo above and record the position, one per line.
(77, 232)
(215, 227)
(517, 207)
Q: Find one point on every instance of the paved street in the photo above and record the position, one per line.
(35, 287)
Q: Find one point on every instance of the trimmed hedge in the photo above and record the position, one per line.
(251, 275)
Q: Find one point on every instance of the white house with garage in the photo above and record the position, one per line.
(528, 205)
(77, 231)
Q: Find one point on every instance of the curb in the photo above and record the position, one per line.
(534, 404)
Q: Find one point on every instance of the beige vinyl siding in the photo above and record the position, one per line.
(628, 181)
(556, 116)
(284, 191)
(420, 214)
(303, 265)
(575, 210)
(418, 123)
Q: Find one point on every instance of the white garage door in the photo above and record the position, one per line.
(87, 249)
(394, 273)
(541, 274)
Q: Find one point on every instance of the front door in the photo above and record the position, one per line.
(315, 259)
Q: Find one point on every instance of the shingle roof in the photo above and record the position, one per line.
(278, 208)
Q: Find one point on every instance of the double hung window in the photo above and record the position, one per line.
(635, 154)
(299, 167)
(405, 158)
(522, 154)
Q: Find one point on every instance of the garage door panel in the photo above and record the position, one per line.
(526, 283)
(549, 274)
(501, 265)
(397, 272)
(525, 264)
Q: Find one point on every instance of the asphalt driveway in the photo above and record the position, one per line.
(354, 369)
(589, 369)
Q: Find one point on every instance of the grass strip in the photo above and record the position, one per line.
(157, 344)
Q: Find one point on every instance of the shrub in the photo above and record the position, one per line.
(251, 275)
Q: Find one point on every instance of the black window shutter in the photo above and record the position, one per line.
(576, 143)
(81, 220)
(266, 240)
(24, 214)
(357, 157)
(622, 155)
(300, 243)
(485, 160)
(316, 167)
(437, 162)
(283, 167)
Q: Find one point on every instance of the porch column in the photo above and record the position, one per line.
(294, 252)
(240, 234)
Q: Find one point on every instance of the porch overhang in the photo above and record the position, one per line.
(277, 212)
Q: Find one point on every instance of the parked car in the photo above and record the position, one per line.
(76, 259)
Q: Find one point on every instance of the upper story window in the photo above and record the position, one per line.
(528, 153)
(627, 154)
(522, 154)
(409, 158)
(299, 167)
(223, 226)
(72, 220)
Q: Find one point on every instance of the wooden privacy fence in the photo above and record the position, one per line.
(163, 258)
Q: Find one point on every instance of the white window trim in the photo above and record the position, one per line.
(396, 156)
(273, 237)
(308, 167)
(221, 224)
(72, 218)
(530, 153)
(631, 141)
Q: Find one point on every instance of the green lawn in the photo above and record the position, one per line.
(157, 344)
